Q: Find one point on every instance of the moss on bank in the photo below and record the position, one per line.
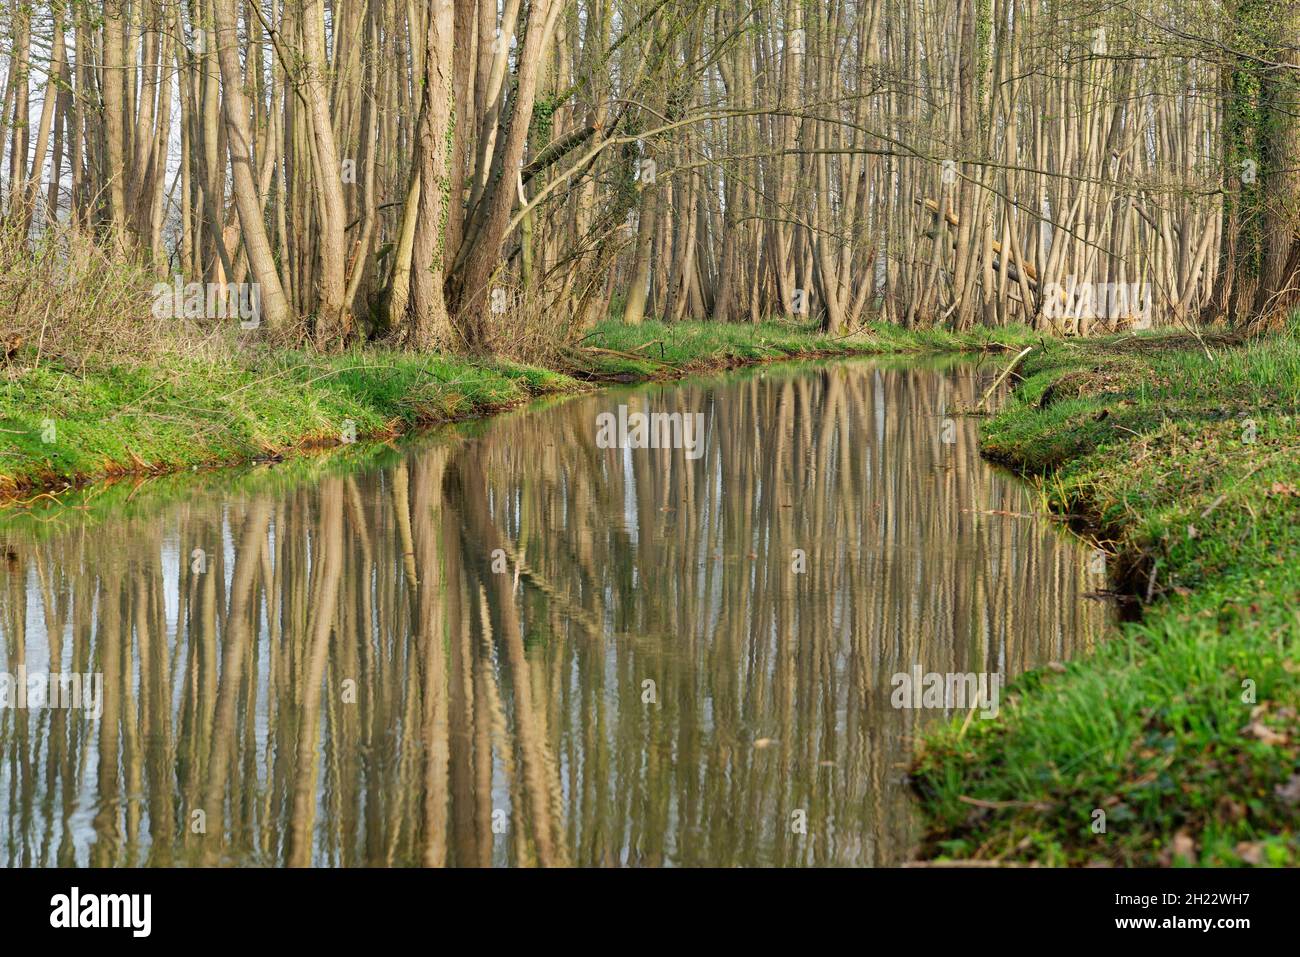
(60, 427)
(1183, 731)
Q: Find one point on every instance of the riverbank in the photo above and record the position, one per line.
(1177, 742)
(1182, 732)
(63, 427)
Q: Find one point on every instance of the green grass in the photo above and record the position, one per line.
(168, 414)
(656, 349)
(179, 414)
(1184, 729)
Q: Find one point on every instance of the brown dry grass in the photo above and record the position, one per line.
(67, 298)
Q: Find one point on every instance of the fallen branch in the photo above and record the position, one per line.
(1005, 372)
(1004, 805)
(624, 355)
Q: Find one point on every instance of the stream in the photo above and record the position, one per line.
(521, 641)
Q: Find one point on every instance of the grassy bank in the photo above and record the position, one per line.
(63, 426)
(60, 428)
(654, 350)
(1183, 731)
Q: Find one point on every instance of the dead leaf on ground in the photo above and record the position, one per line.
(1289, 793)
(1184, 846)
(1258, 729)
(1252, 852)
(1232, 810)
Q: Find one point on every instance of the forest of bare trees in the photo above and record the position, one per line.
(489, 176)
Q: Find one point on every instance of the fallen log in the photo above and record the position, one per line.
(1031, 274)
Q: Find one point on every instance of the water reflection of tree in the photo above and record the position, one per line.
(350, 679)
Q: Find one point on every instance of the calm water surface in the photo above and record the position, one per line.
(503, 645)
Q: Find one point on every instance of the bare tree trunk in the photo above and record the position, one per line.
(274, 305)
